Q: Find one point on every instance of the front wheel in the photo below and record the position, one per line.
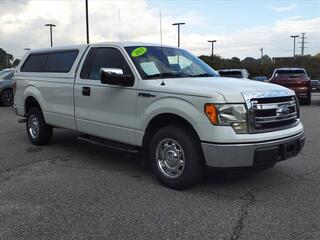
(176, 157)
(38, 131)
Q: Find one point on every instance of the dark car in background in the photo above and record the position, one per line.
(315, 85)
(295, 79)
(6, 88)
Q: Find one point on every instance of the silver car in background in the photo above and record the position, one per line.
(234, 73)
(6, 88)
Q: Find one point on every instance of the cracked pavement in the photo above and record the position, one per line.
(75, 190)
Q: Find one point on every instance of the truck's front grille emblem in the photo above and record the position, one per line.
(268, 114)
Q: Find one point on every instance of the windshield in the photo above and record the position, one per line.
(233, 74)
(290, 74)
(156, 62)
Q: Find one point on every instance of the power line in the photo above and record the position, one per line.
(294, 44)
(303, 42)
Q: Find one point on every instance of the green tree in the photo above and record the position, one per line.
(255, 68)
(7, 60)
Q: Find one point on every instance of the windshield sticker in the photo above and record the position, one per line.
(138, 52)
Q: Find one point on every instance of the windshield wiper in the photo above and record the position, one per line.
(203, 75)
(167, 75)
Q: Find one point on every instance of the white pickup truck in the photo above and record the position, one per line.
(161, 101)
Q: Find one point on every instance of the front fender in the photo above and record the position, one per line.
(177, 106)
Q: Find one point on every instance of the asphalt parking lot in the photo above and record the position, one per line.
(75, 190)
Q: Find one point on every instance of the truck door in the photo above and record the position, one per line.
(103, 110)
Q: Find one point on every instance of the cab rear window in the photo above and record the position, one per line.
(59, 62)
(290, 73)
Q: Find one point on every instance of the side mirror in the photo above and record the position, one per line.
(115, 76)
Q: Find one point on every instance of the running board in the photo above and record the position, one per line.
(109, 144)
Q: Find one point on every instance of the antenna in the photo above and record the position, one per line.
(119, 17)
(162, 83)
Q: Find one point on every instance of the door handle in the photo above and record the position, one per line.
(143, 94)
(86, 91)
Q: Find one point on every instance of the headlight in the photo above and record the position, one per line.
(234, 115)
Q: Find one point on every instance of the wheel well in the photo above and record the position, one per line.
(164, 120)
(29, 103)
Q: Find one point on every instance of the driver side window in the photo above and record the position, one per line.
(107, 58)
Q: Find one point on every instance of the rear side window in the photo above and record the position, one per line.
(60, 62)
(34, 63)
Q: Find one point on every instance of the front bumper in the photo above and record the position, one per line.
(252, 154)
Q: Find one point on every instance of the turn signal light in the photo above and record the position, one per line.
(211, 112)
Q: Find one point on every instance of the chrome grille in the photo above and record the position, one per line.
(270, 114)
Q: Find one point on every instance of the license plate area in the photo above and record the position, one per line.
(278, 153)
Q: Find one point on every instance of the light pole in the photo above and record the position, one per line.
(178, 24)
(294, 44)
(87, 21)
(50, 26)
(212, 48)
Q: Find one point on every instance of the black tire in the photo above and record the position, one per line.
(193, 158)
(44, 133)
(6, 98)
(308, 99)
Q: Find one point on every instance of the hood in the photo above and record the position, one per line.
(231, 89)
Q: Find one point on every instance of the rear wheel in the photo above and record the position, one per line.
(176, 157)
(7, 97)
(38, 131)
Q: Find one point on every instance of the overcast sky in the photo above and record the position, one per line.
(240, 27)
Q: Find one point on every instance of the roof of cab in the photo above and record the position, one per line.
(81, 46)
(231, 69)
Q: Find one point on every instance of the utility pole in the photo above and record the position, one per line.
(50, 25)
(87, 21)
(303, 42)
(212, 49)
(294, 44)
(261, 50)
(178, 24)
